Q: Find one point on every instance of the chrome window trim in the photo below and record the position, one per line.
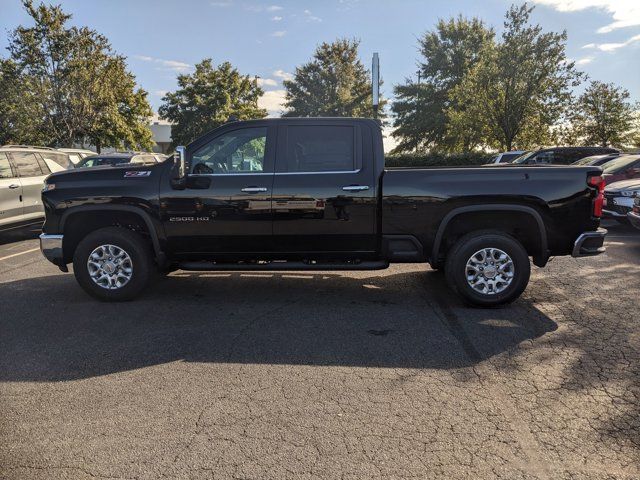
(329, 172)
(236, 174)
(242, 174)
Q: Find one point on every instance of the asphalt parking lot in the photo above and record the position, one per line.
(347, 375)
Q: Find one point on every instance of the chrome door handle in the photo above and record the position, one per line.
(13, 186)
(254, 189)
(355, 188)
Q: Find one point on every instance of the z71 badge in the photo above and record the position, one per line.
(138, 173)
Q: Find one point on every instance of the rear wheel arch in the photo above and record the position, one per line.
(522, 222)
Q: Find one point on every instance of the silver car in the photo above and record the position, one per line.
(22, 174)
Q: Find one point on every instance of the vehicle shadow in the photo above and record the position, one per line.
(50, 330)
(19, 234)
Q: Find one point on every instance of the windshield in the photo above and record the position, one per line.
(524, 158)
(588, 160)
(620, 163)
(509, 157)
(98, 161)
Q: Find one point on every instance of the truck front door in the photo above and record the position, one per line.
(226, 207)
(324, 190)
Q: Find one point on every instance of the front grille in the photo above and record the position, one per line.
(619, 209)
(612, 207)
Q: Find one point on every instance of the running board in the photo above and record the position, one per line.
(281, 266)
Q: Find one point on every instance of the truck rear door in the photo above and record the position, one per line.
(324, 190)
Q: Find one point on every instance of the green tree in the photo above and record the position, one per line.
(604, 116)
(207, 98)
(335, 83)
(420, 109)
(78, 88)
(20, 113)
(520, 88)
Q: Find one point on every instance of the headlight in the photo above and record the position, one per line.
(630, 193)
(48, 187)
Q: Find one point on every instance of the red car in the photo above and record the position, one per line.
(622, 168)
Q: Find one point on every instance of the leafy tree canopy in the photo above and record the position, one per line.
(63, 84)
(604, 116)
(207, 98)
(520, 87)
(335, 83)
(448, 53)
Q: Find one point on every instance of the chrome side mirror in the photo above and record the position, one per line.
(179, 180)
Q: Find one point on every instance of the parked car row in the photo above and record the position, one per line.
(24, 168)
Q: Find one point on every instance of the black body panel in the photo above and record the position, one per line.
(271, 210)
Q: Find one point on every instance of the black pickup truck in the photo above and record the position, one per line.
(313, 194)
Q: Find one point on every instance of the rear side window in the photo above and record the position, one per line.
(27, 164)
(5, 167)
(544, 157)
(320, 148)
(60, 158)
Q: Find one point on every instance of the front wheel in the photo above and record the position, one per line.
(488, 268)
(113, 264)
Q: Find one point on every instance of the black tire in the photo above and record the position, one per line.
(136, 248)
(466, 247)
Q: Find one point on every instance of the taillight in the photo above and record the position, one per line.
(598, 182)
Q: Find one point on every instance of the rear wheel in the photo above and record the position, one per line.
(113, 264)
(488, 268)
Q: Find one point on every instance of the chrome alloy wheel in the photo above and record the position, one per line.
(110, 267)
(489, 271)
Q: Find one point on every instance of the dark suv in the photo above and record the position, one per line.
(562, 155)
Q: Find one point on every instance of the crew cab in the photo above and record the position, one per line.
(314, 194)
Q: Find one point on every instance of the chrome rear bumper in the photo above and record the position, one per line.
(589, 244)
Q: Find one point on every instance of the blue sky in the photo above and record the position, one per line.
(162, 38)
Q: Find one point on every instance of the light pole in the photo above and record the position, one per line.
(375, 84)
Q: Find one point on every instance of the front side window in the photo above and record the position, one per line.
(320, 148)
(238, 151)
(5, 167)
(27, 164)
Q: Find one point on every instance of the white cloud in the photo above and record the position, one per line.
(585, 60)
(262, 8)
(279, 33)
(173, 65)
(310, 17)
(282, 75)
(612, 47)
(273, 102)
(625, 13)
(160, 93)
(276, 18)
(267, 82)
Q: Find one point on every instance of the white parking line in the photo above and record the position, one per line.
(21, 253)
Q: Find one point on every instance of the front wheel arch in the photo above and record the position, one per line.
(76, 223)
